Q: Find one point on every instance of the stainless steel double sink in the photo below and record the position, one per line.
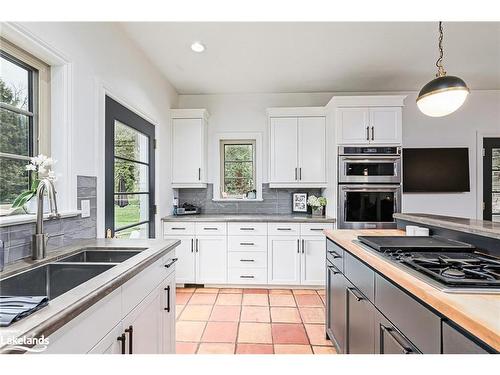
(58, 277)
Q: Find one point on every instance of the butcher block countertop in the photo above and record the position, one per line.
(479, 314)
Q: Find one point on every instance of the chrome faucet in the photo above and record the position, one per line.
(40, 239)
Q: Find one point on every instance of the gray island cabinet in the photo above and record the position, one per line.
(369, 314)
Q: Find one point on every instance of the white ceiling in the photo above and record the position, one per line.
(317, 57)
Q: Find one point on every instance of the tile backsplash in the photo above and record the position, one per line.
(17, 238)
(275, 201)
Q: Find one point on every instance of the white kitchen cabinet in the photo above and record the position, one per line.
(211, 259)
(369, 125)
(185, 268)
(168, 315)
(110, 343)
(284, 150)
(297, 153)
(283, 260)
(189, 148)
(312, 262)
(143, 325)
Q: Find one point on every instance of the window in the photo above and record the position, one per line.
(238, 175)
(24, 115)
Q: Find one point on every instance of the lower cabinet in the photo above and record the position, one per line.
(388, 339)
(336, 285)
(455, 342)
(360, 315)
(168, 314)
(211, 259)
(185, 268)
(312, 260)
(283, 260)
(110, 343)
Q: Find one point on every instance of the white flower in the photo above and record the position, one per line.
(42, 171)
(52, 176)
(30, 167)
(38, 160)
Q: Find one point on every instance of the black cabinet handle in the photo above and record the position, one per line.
(246, 277)
(171, 263)
(130, 331)
(247, 228)
(196, 247)
(406, 349)
(296, 174)
(298, 246)
(199, 174)
(316, 229)
(210, 228)
(192, 245)
(174, 228)
(335, 254)
(122, 339)
(373, 133)
(356, 294)
(247, 243)
(303, 246)
(334, 270)
(247, 260)
(300, 174)
(168, 298)
(284, 228)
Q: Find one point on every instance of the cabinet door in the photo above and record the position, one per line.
(168, 315)
(211, 259)
(336, 306)
(388, 339)
(454, 342)
(283, 260)
(283, 151)
(111, 343)
(385, 125)
(312, 149)
(142, 325)
(352, 125)
(359, 323)
(312, 261)
(185, 270)
(187, 151)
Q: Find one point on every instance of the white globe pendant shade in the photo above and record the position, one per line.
(442, 96)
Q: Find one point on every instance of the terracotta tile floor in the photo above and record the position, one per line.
(251, 321)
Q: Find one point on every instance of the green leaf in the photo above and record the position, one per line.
(22, 199)
(34, 184)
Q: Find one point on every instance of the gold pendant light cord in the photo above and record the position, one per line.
(439, 63)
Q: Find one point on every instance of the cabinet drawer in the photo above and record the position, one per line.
(245, 229)
(247, 243)
(414, 320)
(208, 229)
(283, 229)
(247, 259)
(454, 342)
(314, 229)
(335, 254)
(178, 228)
(360, 275)
(247, 276)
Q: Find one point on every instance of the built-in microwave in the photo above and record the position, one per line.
(369, 165)
(363, 206)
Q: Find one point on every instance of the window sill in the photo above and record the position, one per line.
(237, 200)
(6, 221)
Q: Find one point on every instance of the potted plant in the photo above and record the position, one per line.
(317, 205)
(39, 167)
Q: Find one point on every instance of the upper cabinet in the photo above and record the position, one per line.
(189, 148)
(297, 154)
(368, 119)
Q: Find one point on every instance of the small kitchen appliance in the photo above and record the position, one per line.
(187, 209)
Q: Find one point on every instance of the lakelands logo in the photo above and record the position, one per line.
(26, 344)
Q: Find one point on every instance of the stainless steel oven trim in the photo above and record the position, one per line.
(344, 160)
(344, 189)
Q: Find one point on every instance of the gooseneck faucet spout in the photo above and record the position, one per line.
(39, 239)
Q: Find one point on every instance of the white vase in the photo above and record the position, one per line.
(317, 211)
(31, 206)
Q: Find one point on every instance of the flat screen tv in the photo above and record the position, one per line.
(436, 170)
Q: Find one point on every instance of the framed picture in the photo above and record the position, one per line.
(299, 202)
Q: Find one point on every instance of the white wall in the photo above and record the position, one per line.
(104, 61)
(481, 113)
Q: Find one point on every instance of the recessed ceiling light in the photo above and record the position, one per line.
(197, 47)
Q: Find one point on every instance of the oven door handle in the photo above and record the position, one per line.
(363, 159)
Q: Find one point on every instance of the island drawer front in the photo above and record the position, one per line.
(247, 243)
(207, 229)
(454, 342)
(335, 254)
(283, 229)
(246, 229)
(362, 276)
(247, 259)
(178, 228)
(414, 320)
(134, 290)
(314, 229)
(79, 335)
(247, 276)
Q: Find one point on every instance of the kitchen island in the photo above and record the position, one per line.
(130, 298)
(395, 303)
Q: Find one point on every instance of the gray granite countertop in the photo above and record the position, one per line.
(251, 218)
(69, 305)
(479, 227)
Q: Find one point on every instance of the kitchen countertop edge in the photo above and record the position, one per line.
(65, 315)
(444, 303)
(239, 218)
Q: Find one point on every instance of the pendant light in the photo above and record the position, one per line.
(444, 94)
